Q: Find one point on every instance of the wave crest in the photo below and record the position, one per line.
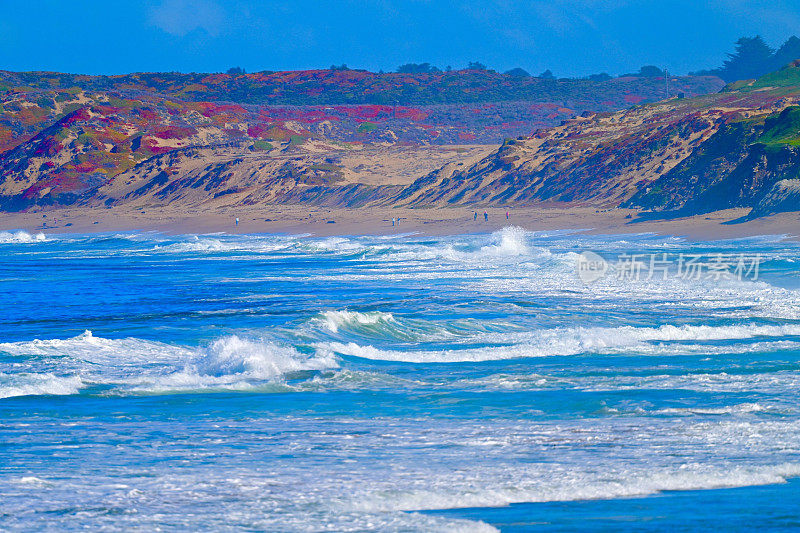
(334, 320)
(575, 341)
(139, 365)
(232, 355)
(21, 237)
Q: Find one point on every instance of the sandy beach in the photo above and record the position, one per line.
(294, 219)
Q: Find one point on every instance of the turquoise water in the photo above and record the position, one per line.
(401, 383)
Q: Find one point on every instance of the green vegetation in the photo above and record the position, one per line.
(786, 77)
(325, 167)
(260, 145)
(45, 102)
(366, 127)
(783, 128)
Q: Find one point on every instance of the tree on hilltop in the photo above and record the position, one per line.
(788, 52)
(417, 68)
(752, 59)
(476, 65)
(518, 73)
(235, 71)
(650, 71)
(547, 75)
(646, 71)
(603, 76)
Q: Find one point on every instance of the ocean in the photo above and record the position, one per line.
(500, 381)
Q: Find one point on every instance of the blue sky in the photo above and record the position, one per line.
(572, 38)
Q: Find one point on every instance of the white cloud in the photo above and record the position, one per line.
(179, 17)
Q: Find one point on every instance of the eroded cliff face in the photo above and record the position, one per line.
(597, 160)
(315, 173)
(684, 155)
(736, 167)
(661, 156)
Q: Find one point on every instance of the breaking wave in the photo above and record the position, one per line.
(333, 320)
(575, 341)
(21, 237)
(137, 365)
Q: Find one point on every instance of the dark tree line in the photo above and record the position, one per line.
(753, 58)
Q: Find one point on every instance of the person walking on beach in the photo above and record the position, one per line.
(475, 216)
(393, 221)
(485, 216)
(506, 215)
(237, 221)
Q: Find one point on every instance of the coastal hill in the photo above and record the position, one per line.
(63, 137)
(736, 148)
(147, 141)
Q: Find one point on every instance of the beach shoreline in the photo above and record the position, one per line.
(323, 221)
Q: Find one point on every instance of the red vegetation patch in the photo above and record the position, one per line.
(49, 147)
(76, 116)
(6, 136)
(150, 144)
(106, 110)
(148, 114)
(231, 108)
(364, 112)
(175, 132)
(86, 166)
(411, 113)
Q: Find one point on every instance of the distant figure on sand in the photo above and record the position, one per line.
(393, 221)
(506, 215)
(485, 216)
(237, 221)
(475, 216)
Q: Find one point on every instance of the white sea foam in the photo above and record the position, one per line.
(507, 244)
(532, 486)
(33, 480)
(509, 241)
(218, 244)
(199, 245)
(21, 237)
(739, 409)
(86, 347)
(574, 341)
(33, 384)
(331, 244)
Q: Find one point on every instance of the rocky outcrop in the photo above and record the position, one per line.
(783, 196)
